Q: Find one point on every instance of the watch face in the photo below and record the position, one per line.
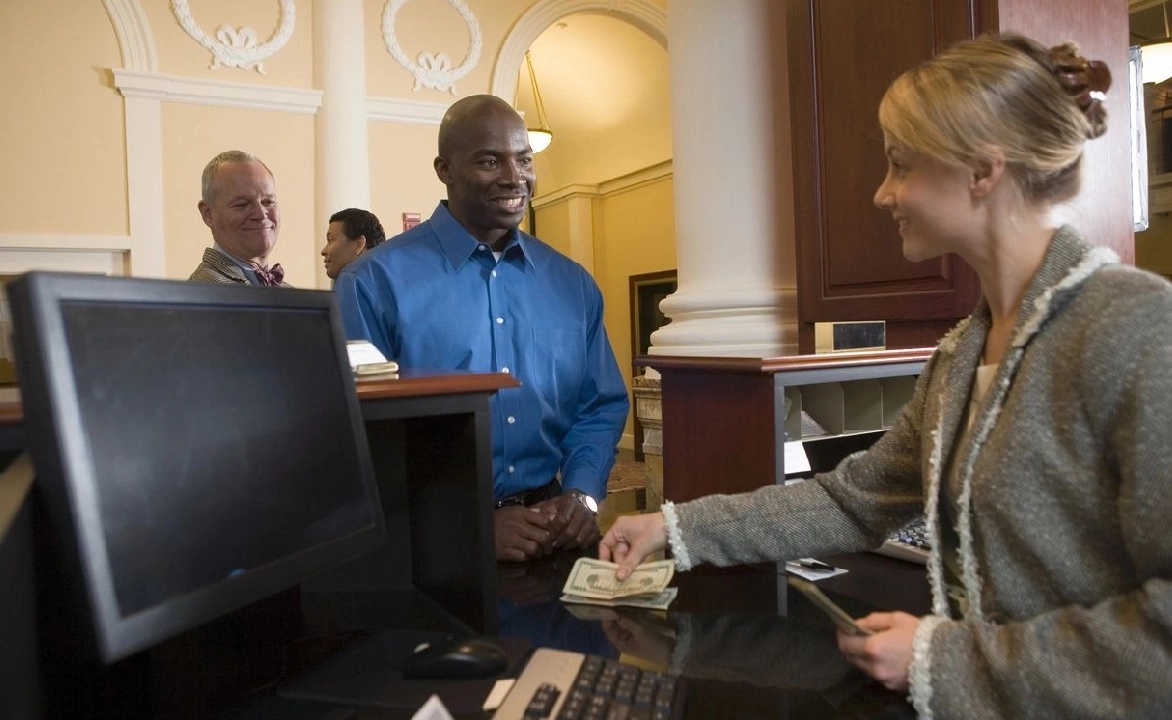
(586, 500)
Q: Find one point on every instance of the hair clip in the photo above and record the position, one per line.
(1087, 81)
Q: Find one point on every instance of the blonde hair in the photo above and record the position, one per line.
(995, 92)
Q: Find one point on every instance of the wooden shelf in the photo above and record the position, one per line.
(725, 420)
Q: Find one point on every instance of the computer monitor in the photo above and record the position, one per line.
(198, 447)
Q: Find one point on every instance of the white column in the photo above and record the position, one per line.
(733, 201)
(342, 155)
(144, 181)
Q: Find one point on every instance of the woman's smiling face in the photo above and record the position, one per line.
(930, 201)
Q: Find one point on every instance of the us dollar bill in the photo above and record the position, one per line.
(591, 578)
(650, 602)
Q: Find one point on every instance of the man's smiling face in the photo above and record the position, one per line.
(489, 174)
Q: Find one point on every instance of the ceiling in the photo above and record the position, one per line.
(605, 88)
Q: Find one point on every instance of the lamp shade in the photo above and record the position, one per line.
(1157, 62)
(539, 138)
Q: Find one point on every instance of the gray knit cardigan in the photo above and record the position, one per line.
(1064, 503)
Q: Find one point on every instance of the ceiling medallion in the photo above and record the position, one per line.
(433, 70)
(237, 47)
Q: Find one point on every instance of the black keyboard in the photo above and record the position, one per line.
(908, 543)
(572, 686)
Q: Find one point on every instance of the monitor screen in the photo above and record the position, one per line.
(198, 446)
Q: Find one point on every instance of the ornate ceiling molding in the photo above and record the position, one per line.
(641, 14)
(135, 41)
(238, 47)
(433, 70)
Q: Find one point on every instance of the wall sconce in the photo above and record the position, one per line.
(540, 137)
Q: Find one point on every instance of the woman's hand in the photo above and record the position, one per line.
(631, 539)
(886, 655)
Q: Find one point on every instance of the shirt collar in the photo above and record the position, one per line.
(249, 270)
(458, 245)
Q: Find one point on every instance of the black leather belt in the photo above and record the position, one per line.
(525, 498)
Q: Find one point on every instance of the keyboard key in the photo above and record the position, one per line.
(590, 687)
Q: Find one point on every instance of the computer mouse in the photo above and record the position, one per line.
(457, 657)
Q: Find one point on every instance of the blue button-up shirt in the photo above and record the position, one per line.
(437, 298)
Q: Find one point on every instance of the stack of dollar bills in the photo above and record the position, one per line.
(593, 582)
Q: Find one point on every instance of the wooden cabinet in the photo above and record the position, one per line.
(842, 56)
(726, 420)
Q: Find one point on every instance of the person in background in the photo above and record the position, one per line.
(239, 204)
(467, 290)
(351, 232)
(1036, 439)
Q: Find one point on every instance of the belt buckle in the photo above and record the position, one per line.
(511, 501)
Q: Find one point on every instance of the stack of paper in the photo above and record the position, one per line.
(593, 582)
(368, 362)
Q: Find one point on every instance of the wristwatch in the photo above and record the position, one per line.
(587, 501)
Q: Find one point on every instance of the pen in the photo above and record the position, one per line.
(814, 565)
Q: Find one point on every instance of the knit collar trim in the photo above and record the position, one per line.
(1069, 261)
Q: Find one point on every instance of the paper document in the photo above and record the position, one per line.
(366, 360)
(812, 569)
(795, 458)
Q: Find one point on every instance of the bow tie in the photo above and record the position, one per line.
(271, 276)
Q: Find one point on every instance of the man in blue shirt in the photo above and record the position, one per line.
(467, 290)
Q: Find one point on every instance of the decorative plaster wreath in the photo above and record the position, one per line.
(237, 47)
(434, 70)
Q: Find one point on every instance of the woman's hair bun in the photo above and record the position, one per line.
(1084, 81)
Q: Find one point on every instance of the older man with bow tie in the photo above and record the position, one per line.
(239, 204)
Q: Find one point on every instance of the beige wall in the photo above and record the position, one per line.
(553, 226)
(61, 143)
(401, 175)
(82, 192)
(638, 233)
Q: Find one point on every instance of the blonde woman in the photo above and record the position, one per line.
(1036, 440)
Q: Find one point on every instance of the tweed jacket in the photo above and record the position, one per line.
(1063, 491)
(216, 268)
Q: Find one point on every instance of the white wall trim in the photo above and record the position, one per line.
(408, 112)
(639, 13)
(607, 188)
(636, 180)
(565, 194)
(135, 40)
(198, 91)
(43, 241)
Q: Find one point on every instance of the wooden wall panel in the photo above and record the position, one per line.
(843, 55)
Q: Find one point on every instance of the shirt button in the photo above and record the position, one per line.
(494, 273)
(500, 321)
(505, 370)
(482, 248)
(510, 469)
(510, 420)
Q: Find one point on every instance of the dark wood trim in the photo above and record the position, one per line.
(784, 363)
